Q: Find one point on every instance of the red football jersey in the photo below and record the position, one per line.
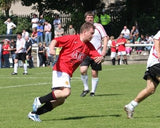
(73, 52)
(121, 47)
(113, 46)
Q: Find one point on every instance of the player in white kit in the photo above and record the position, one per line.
(152, 76)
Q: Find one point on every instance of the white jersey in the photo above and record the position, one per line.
(97, 37)
(21, 44)
(153, 58)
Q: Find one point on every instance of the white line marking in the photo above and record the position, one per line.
(35, 84)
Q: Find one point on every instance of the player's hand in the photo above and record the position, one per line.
(99, 59)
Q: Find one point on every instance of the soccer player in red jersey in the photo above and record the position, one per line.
(121, 41)
(75, 48)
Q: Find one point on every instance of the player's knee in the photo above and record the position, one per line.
(151, 90)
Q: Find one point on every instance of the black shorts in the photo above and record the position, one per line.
(152, 72)
(88, 61)
(21, 56)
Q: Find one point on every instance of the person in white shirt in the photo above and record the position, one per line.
(10, 26)
(25, 34)
(152, 76)
(48, 33)
(98, 36)
(20, 54)
(126, 32)
(34, 21)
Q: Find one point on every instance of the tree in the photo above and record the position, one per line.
(6, 5)
(76, 8)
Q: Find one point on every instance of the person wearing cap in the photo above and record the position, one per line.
(5, 52)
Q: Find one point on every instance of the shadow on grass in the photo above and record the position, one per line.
(109, 94)
(83, 117)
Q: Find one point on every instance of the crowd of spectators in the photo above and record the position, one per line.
(131, 37)
(40, 37)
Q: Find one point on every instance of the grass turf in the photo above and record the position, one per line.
(118, 85)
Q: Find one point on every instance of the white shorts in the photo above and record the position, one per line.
(122, 53)
(113, 55)
(60, 79)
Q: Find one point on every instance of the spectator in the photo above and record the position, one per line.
(10, 26)
(42, 20)
(121, 41)
(113, 50)
(49, 57)
(6, 53)
(41, 54)
(59, 31)
(39, 33)
(13, 49)
(139, 40)
(71, 30)
(128, 48)
(134, 33)
(126, 32)
(25, 33)
(34, 21)
(56, 21)
(29, 52)
(105, 20)
(96, 17)
(34, 36)
(149, 40)
(0, 55)
(48, 33)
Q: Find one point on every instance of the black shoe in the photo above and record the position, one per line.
(92, 94)
(25, 73)
(13, 73)
(84, 93)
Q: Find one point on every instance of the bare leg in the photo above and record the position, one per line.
(149, 90)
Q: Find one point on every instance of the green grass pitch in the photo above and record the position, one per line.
(118, 85)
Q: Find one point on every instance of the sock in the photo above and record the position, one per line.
(125, 61)
(132, 104)
(84, 79)
(113, 61)
(47, 98)
(25, 67)
(15, 67)
(44, 109)
(118, 61)
(94, 84)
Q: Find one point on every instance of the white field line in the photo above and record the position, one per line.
(35, 84)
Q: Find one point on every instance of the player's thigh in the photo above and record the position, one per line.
(151, 85)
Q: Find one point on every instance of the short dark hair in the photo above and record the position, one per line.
(86, 26)
(89, 13)
(19, 33)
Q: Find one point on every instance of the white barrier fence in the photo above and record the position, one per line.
(130, 45)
